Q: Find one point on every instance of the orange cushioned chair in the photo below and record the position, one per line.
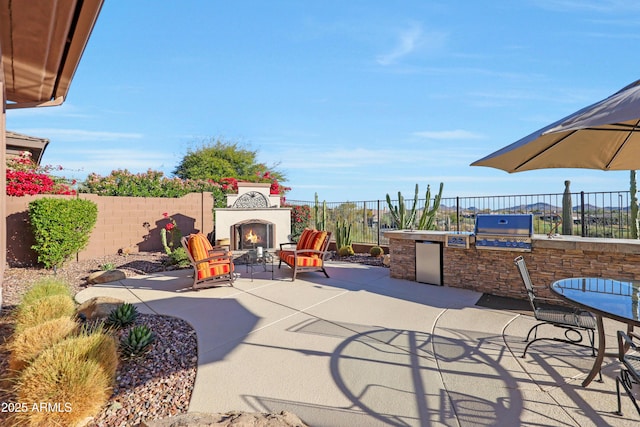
(309, 252)
(212, 265)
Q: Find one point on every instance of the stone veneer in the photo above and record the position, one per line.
(493, 272)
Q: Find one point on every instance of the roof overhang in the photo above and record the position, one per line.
(18, 143)
(42, 42)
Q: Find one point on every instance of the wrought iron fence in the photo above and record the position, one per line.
(596, 214)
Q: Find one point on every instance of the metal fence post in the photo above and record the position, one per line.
(457, 213)
(379, 218)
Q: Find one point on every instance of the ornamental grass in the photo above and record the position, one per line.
(45, 287)
(25, 346)
(68, 382)
(42, 310)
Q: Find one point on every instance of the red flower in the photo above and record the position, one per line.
(165, 215)
(169, 226)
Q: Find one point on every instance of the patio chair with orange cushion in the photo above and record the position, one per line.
(309, 253)
(212, 265)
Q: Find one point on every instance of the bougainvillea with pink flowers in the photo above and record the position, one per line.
(26, 178)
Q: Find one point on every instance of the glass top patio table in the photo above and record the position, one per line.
(612, 298)
(604, 297)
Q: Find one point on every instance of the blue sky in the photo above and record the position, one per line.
(352, 100)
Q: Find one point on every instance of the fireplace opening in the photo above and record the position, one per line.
(252, 234)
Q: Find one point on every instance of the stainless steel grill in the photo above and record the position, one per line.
(504, 232)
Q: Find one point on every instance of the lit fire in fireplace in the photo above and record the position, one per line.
(251, 237)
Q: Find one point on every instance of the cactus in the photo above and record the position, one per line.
(567, 217)
(634, 205)
(343, 234)
(405, 220)
(399, 213)
(320, 218)
(137, 342)
(346, 250)
(427, 219)
(376, 251)
(123, 315)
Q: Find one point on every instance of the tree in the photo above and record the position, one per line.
(216, 159)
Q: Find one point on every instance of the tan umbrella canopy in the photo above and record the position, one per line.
(605, 135)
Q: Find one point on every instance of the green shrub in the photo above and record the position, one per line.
(107, 266)
(78, 373)
(152, 183)
(346, 251)
(42, 310)
(27, 345)
(300, 217)
(376, 251)
(179, 257)
(45, 287)
(61, 227)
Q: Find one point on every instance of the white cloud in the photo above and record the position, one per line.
(410, 40)
(448, 134)
(103, 161)
(80, 135)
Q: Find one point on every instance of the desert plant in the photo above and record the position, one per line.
(121, 316)
(179, 257)
(346, 250)
(343, 234)
(137, 342)
(25, 346)
(404, 219)
(376, 251)
(61, 228)
(43, 309)
(427, 219)
(45, 287)
(567, 215)
(320, 215)
(633, 190)
(77, 374)
(170, 235)
(107, 266)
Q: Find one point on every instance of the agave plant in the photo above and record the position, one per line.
(123, 315)
(137, 342)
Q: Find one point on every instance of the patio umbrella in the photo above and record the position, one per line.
(605, 135)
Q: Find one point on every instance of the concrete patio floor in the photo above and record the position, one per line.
(363, 349)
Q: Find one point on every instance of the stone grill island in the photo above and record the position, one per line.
(493, 271)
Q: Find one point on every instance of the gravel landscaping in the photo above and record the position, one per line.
(155, 386)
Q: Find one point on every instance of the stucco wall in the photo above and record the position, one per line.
(120, 225)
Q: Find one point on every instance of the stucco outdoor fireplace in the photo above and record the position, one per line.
(253, 218)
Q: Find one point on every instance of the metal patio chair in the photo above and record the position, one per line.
(629, 355)
(572, 320)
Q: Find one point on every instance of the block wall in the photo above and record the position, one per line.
(130, 224)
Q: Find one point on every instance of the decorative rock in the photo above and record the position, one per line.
(105, 276)
(386, 261)
(98, 307)
(229, 419)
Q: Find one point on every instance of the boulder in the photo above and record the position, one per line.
(386, 261)
(97, 307)
(105, 276)
(228, 419)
